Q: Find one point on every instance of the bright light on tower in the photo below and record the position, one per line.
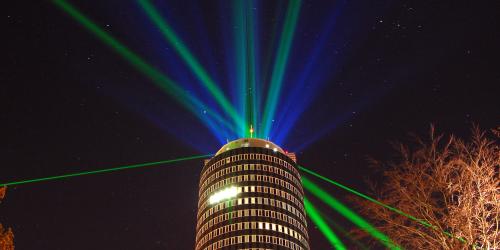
(224, 194)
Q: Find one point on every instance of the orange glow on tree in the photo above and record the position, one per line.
(6, 235)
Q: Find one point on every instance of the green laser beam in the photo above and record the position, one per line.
(240, 37)
(343, 231)
(363, 195)
(190, 60)
(347, 213)
(244, 41)
(251, 66)
(106, 170)
(159, 79)
(280, 64)
(252, 52)
(323, 227)
(420, 221)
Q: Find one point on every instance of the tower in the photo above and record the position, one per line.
(251, 197)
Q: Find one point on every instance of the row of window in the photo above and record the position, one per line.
(246, 167)
(251, 212)
(260, 189)
(249, 177)
(251, 226)
(234, 158)
(249, 200)
(254, 239)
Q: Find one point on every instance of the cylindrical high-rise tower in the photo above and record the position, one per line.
(251, 198)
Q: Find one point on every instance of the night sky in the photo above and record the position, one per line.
(69, 103)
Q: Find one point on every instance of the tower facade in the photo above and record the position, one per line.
(251, 197)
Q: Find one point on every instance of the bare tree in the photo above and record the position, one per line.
(448, 183)
(6, 235)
